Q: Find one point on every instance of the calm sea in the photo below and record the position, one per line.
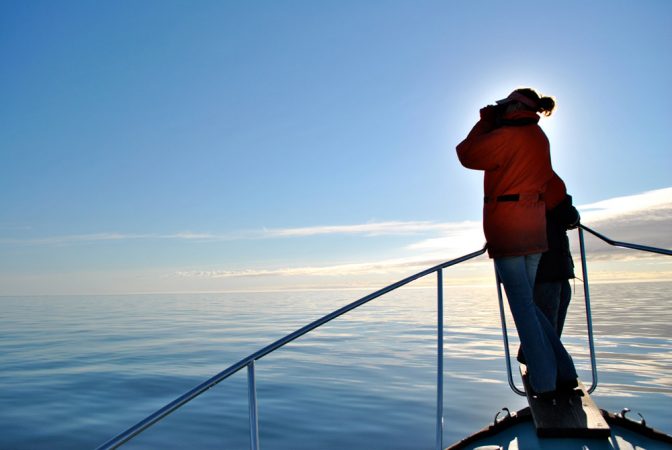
(77, 370)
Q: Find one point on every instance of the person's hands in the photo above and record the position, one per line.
(488, 118)
(575, 219)
(489, 113)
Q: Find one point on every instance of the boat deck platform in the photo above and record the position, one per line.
(568, 414)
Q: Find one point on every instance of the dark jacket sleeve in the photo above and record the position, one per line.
(565, 213)
(556, 264)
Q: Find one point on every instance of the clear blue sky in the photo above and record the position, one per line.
(129, 127)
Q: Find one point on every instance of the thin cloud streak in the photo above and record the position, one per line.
(103, 237)
(336, 270)
(455, 237)
(371, 229)
(367, 229)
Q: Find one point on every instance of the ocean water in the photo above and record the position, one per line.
(77, 370)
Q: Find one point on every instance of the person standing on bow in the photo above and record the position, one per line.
(552, 291)
(513, 151)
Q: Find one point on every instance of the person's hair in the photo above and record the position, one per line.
(545, 105)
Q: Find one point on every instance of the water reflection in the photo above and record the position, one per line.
(81, 369)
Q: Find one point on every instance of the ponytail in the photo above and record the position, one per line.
(545, 105)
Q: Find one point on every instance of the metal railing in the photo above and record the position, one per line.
(586, 292)
(643, 248)
(249, 361)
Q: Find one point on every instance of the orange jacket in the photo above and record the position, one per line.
(516, 160)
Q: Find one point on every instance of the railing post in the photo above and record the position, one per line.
(439, 357)
(505, 337)
(589, 315)
(252, 399)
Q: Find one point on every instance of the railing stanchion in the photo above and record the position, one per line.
(589, 316)
(439, 357)
(252, 399)
(505, 336)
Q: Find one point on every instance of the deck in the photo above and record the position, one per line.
(571, 414)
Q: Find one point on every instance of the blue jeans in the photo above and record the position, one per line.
(547, 360)
(553, 298)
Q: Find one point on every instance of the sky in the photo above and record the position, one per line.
(175, 146)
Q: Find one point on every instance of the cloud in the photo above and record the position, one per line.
(644, 218)
(102, 237)
(454, 240)
(457, 237)
(367, 229)
(649, 201)
(70, 239)
(335, 270)
(370, 229)
(339, 276)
